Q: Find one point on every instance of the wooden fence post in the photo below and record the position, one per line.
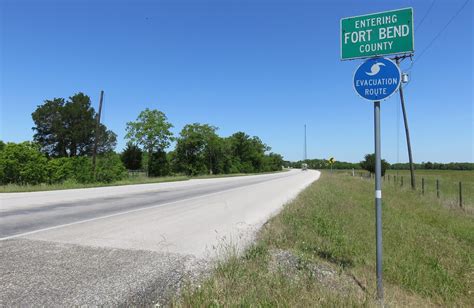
(460, 194)
(422, 186)
(437, 188)
(401, 179)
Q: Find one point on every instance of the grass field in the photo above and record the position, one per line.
(448, 184)
(428, 252)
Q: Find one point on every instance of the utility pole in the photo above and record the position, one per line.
(94, 153)
(210, 161)
(305, 153)
(407, 132)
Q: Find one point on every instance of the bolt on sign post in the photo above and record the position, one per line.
(379, 34)
(373, 36)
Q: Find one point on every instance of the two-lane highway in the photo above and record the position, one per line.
(129, 244)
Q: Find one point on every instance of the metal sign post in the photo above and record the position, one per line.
(374, 80)
(378, 199)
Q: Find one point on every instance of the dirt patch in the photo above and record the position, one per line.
(327, 275)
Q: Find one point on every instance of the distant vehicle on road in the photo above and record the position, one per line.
(304, 167)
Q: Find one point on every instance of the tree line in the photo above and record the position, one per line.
(324, 164)
(436, 166)
(64, 136)
(368, 163)
(198, 149)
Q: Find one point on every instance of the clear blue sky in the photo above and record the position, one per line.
(263, 67)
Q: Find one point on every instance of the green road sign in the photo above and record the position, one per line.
(378, 34)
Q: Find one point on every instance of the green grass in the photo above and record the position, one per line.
(428, 251)
(140, 178)
(448, 182)
(212, 176)
(10, 188)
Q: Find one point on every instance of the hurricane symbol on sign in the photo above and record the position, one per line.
(375, 69)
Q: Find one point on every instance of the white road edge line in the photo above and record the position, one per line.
(131, 211)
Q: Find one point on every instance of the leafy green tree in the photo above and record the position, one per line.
(428, 165)
(248, 153)
(2, 162)
(106, 141)
(22, 163)
(132, 157)
(273, 162)
(159, 164)
(67, 128)
(198, 149)
(369, 164)
(50, 132)
(151, 130)
(221, 155)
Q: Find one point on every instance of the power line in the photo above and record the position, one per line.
(441, 31)
(426, 14)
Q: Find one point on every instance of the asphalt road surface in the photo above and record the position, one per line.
(130, 245)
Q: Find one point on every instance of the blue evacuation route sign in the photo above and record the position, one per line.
(377, 79)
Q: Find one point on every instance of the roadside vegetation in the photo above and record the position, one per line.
(451, 184)
(325, 164)
(129, 180)
(448, 184)
(446, 193)
(320, 251)
(65, 138)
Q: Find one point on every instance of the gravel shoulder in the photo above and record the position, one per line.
(49, 274)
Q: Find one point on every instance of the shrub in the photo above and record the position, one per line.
(71, 169)
(60, 169)
(82, 169)
(22, 163)
(110, 168)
